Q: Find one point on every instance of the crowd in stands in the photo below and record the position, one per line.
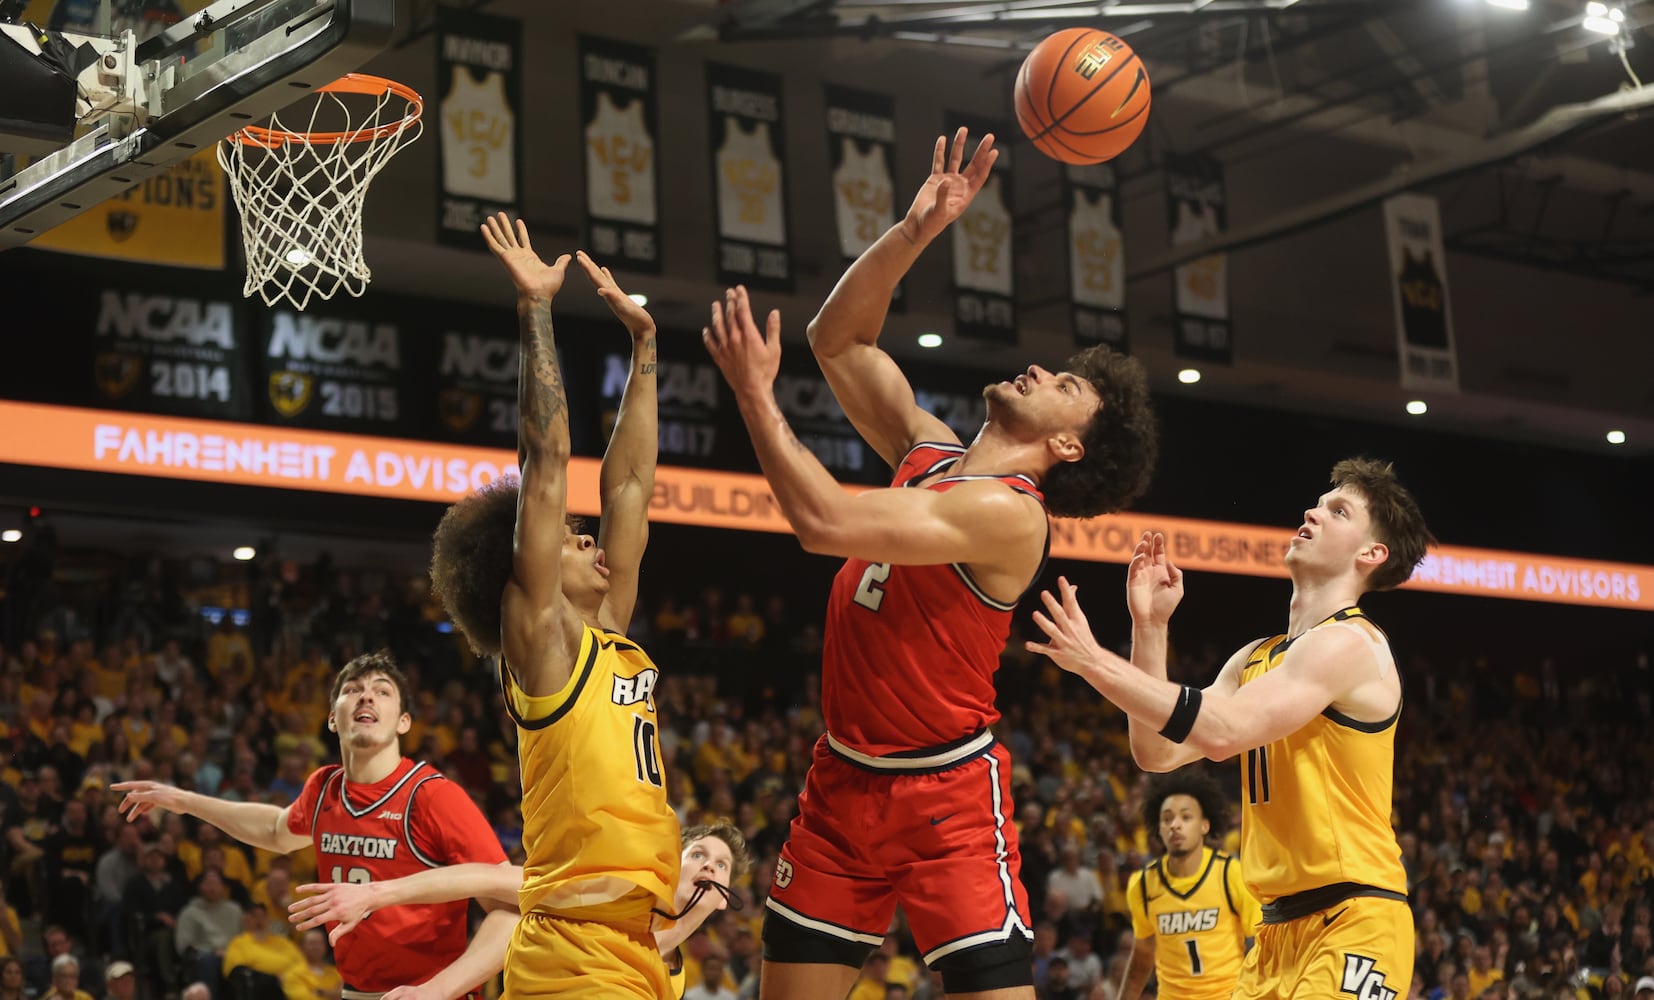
(1524, 792)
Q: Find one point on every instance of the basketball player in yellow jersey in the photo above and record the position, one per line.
(602, 843)
(1191, 916)
(1314, 713)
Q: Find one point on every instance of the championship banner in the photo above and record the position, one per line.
(1196, 209)
(1418, 282)
(342, 371)
(747, 142)
(170, 353)
(984, 275)
(861, 150)
(208, 451)
(619, 115)
(478, 67)
(1096, 256)
(474, 395)
(175, 218)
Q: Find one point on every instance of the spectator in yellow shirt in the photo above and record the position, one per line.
(65, 980)
(257, 949)
(315, 978)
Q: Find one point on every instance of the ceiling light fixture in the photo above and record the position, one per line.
(930, 340)
(243, 553)
(1603, 19)
(11, 535)
(1417, 407)
(640, 298)
(1614, 437)
(1189, 376)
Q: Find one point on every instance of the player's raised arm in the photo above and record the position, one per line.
(968, 524)
(257, 823)
(870, 387)
(627, 480)
(346, 904)
(539, 629)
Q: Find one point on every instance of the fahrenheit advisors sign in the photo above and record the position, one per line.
(289, 458)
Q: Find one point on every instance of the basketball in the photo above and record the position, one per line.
(1082, 96)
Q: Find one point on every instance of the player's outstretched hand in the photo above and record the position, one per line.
(749, 357)
(1154, 584)
(534, 278)
(139, 797)
(1070, 644)
(348, 903)
(950, 188)
(631, 315)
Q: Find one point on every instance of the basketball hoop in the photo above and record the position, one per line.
(300, 192)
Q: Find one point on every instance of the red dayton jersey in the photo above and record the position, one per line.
(413, 820)
(909, 654)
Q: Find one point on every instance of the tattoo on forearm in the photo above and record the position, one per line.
(647, 367)
(540, 386)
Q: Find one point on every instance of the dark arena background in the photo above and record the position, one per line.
(1419, 230)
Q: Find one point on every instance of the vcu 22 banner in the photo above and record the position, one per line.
(479, 69)
(749, 190)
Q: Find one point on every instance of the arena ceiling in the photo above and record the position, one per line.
(1524, 123)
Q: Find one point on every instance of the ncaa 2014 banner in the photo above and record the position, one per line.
(1418, 284)
(747, 142)
(984, 257)
(479, 114)
(164, 346)
(1096, 255)
(861, 151)
(1196, 207)
(619, 117)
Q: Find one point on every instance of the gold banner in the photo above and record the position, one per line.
(174, 219)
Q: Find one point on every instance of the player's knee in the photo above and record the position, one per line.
(785, 941)
(1005, 965)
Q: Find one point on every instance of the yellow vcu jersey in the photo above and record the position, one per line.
(596, 825)
(1199, 925)
(1315, 805)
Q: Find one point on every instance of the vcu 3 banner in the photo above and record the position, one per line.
(479, 61)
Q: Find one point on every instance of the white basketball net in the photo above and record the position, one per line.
(301, 200)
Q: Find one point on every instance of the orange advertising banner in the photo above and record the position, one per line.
(249, 455)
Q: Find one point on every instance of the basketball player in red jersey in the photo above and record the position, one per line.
(908, 798)
(377, 816)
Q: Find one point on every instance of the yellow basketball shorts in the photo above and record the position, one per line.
(1361, 948)
(553, 956)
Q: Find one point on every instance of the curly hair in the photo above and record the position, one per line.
(1396, 518)
(740, 856)
(1193, 781)
(1122, 442)
(471, 555)
(380, 662)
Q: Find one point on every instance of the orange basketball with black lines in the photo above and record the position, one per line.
(1082, 96)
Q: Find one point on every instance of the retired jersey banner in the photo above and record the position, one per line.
(479, 71)
(343, 370)
(177, 352)
(1096, 256)
(861, 150)
(1196, 209)
(175, 218)
(1418, 282)
(749, 190)
(618, 113)
(984, 264)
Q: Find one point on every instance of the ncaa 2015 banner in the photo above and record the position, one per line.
(479, 115)
(984, 255)
(343, 369)
(1418, 285)
(217, 452)
(1096, 255)
(861, 152)
(747, 143)
(1196, 207)
(619, 119)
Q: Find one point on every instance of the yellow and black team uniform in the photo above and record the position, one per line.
(1319, 853)
(602, 842)
(675, 971)
(1199, 925)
